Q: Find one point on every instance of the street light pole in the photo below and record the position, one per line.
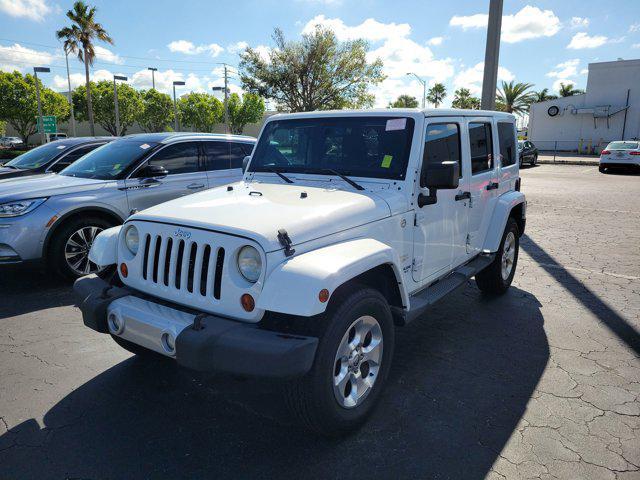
(35, 73)
(115, 97)
(73, 117)
(153, 76)
(176, 121)
(491, 55)
(424, 88)
(226, 100)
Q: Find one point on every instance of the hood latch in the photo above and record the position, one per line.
(285, 241)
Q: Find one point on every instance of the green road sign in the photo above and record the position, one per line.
(49, 122)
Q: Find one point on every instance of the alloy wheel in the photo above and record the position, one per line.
(76, 250)
(508, 255)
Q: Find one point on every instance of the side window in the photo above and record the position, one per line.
(481, 147)
(237, 155)
(248, 148)
(507, 143)
(217, 155)
(178, 158)
(71, 157)
(442, 143)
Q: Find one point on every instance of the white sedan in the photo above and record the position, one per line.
(620, 154)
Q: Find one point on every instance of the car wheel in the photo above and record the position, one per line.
(521, 161)
(497, 277)
(69, 254)
(602, 169)
(351, 365)
(535, 160)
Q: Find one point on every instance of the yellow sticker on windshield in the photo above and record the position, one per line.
(116, 166)
(386, 161)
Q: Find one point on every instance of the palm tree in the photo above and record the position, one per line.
(78, 39)
(514, 98)
(462, 99)
(436, 94)
(568, 90)
(404, 101)
(543, 95)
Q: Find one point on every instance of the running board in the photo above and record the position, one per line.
(425, 298)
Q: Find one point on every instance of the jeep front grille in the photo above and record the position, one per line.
(183, 265)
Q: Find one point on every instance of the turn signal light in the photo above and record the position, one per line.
(323, 296)
(605, 152)
(248, 303)
(124, 271)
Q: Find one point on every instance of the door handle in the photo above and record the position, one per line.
(463, 196)
(493, 186)
(195, 186)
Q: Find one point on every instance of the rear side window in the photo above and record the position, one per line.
(217, 154)
(178, 158)
(237, 155)
(507, 138)
(442, 143)
(481, 147)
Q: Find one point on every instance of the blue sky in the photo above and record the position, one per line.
(543, 42)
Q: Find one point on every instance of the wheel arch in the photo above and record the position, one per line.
(509, 205)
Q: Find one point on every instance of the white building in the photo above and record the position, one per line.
(609, 110)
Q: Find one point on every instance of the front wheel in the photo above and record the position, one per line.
(351, 365)
(497, 277)
(535, 160)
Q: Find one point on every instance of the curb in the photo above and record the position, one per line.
(587, 163)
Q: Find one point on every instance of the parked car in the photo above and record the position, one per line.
(345, 225)
(11, 142)
(620, 154)
(57, 217)
(51, 157)
(528, 153)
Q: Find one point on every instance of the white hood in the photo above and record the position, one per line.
(259, 210)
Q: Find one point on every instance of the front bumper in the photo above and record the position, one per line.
(218, 344)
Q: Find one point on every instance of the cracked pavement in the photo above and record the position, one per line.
(542, 382)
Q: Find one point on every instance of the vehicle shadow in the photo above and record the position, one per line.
(459, 386)
(36, 288)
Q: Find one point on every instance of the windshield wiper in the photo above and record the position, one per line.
(285, 178)
(11, 166)
(343, 177)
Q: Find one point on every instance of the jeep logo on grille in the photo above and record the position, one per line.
(182, 233)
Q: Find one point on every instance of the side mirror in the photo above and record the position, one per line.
(152, 171)
(438, 176)
(245, 163)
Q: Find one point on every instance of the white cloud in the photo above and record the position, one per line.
(237, 47)
(584, 71)
(17, 57)
(581, 40)
(35, 10)
(263, 51)
(188, 48)
(435, 41)
(634, 27)
(529, 22)
(106, 55)
(471, 78)
(370, 29)
(557, 84)
(565, 69)
(635, 45)
(60, 81)
(579, 22)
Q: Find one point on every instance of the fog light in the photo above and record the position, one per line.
(248, 303)
(124, 271)
(168, 343)
(115, 323)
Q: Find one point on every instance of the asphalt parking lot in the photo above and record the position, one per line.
(543, 382)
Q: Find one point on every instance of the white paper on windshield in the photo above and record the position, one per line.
(396, 124)
(144, 146)
(60, 147)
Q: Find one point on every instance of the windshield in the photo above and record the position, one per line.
(109, 161)
(38, 156)
(376, 147)
(622, 146)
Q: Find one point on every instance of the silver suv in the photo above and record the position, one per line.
(55, 217)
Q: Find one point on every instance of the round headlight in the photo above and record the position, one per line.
(250, 263)
(131, 239)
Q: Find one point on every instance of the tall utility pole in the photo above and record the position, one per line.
(491, 56)
(176, 121)
(226, 100)
(153, 76)
(35, 73)
(115, 98)
(73, 117)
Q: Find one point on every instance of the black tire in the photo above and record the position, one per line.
(311, 399)
(521, 161)
(137, 349)
(56, 254)
(491, 279)
(602, 169)
(535, 160)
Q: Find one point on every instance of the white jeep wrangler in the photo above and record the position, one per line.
(346, 224)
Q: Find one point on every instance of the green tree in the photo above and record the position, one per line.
(200, 111)
(569, 90)
(129, 105)
(316, 73)
(436, 94)
(543, 95)
(157, 111)
(19, 107)
(404, 101)
(514, 97)
(78, 39)
(248, 109)
(462, 99)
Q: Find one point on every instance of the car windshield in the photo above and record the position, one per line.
(376, 147)
(38, 156)
(109, 161)
(622, 146)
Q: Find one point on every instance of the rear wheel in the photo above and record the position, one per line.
(351, 365)
(497, 277)
(535, 160)
(602, 169)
